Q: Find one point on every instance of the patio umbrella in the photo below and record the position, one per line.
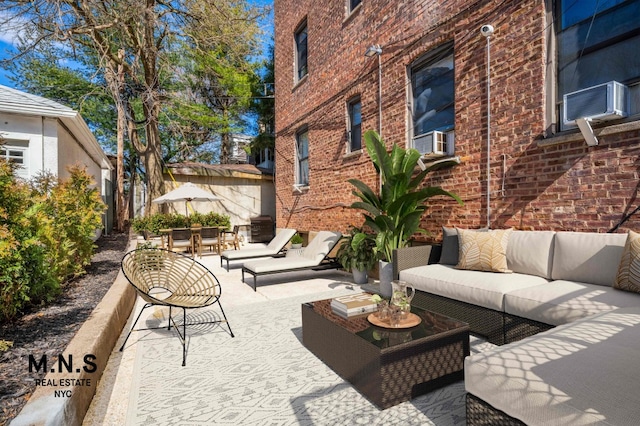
(187, 192)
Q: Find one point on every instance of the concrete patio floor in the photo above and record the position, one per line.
(110, 404)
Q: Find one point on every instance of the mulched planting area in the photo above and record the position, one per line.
(48, 330)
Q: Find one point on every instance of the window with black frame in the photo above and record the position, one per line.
(597, 42)
(301, 51)
(302, 156)
(354, 108)
(432, 89)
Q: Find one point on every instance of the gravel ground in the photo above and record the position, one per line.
(48, 330)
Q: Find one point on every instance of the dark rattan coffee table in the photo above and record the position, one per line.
(388, 366)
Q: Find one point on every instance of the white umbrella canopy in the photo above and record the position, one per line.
(187, 192)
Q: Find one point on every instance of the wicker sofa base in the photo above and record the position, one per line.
(479, 413)
(496, 327)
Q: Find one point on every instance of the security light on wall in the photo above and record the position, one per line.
(373, 50)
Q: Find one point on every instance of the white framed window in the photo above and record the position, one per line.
(354, 125)
(300, 39)
(302, 158)
(16, 155)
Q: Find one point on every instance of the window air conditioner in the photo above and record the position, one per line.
(431, 144)
(607, 101)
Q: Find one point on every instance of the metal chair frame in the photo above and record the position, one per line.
(189, 283)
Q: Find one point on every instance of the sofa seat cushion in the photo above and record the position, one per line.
(484, 289)
(560, 302)
(582, 373)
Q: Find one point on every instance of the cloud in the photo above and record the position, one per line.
(12, 28)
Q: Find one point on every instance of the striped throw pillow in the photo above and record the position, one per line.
(628, 278)
(483, 251)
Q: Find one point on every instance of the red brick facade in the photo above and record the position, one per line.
(550, 181)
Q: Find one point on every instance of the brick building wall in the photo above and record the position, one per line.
(538, 180)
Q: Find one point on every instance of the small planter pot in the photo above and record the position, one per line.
(296, 246)
(359, 277)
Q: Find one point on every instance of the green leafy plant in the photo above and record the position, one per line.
(357, 251)
(151, 225)
(46, 235)
(395, 212)
(297, 239)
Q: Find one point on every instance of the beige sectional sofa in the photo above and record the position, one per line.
(576, 364)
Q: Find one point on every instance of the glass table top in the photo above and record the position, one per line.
(432, 324)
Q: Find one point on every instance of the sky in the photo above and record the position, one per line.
(7, 40)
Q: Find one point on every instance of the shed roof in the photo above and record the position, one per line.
(14, 101)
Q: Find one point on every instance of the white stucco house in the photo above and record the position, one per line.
(43, 135)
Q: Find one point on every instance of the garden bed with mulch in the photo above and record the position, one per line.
(48, 330)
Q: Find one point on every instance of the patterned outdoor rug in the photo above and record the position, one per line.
(263, 376)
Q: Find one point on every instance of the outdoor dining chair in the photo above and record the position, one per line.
(165, 278)
(209, 236)
(181, 238)
(232, 238)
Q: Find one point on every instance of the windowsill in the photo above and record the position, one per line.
(352, 154)
(300, 82)
(600, 131)
(352, 14)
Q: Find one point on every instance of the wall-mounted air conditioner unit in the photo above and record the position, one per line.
(431, 144)
(608, 101)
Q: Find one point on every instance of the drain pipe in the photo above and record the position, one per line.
(487, 31)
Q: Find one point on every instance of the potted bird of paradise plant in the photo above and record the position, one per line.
(394, 213)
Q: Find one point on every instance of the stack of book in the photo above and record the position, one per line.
(353, 305)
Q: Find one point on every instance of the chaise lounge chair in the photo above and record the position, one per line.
(313, 257)
(274, 247)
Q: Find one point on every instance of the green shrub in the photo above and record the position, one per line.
(211, 219)
(151, 225)
(46, 235)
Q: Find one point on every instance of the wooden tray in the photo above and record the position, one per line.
(411, 321)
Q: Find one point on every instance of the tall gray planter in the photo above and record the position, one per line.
(386, 276)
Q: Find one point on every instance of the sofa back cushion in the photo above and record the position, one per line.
(587, 257)
(531, 252)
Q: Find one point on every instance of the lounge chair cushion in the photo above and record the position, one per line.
(561, 301)
(320, 246)
(273, 248)
(587, 257)
(484, 289)
(311, 256)
(279, 264)
(558, 377)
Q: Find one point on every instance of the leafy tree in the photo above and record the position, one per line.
(134, 43)
(264, 107)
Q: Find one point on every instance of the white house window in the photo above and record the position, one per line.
(432, 94)
(597, 42)
(353, 4)
(354, 126)
(302, 158)
(301, 51)
(16, 155)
